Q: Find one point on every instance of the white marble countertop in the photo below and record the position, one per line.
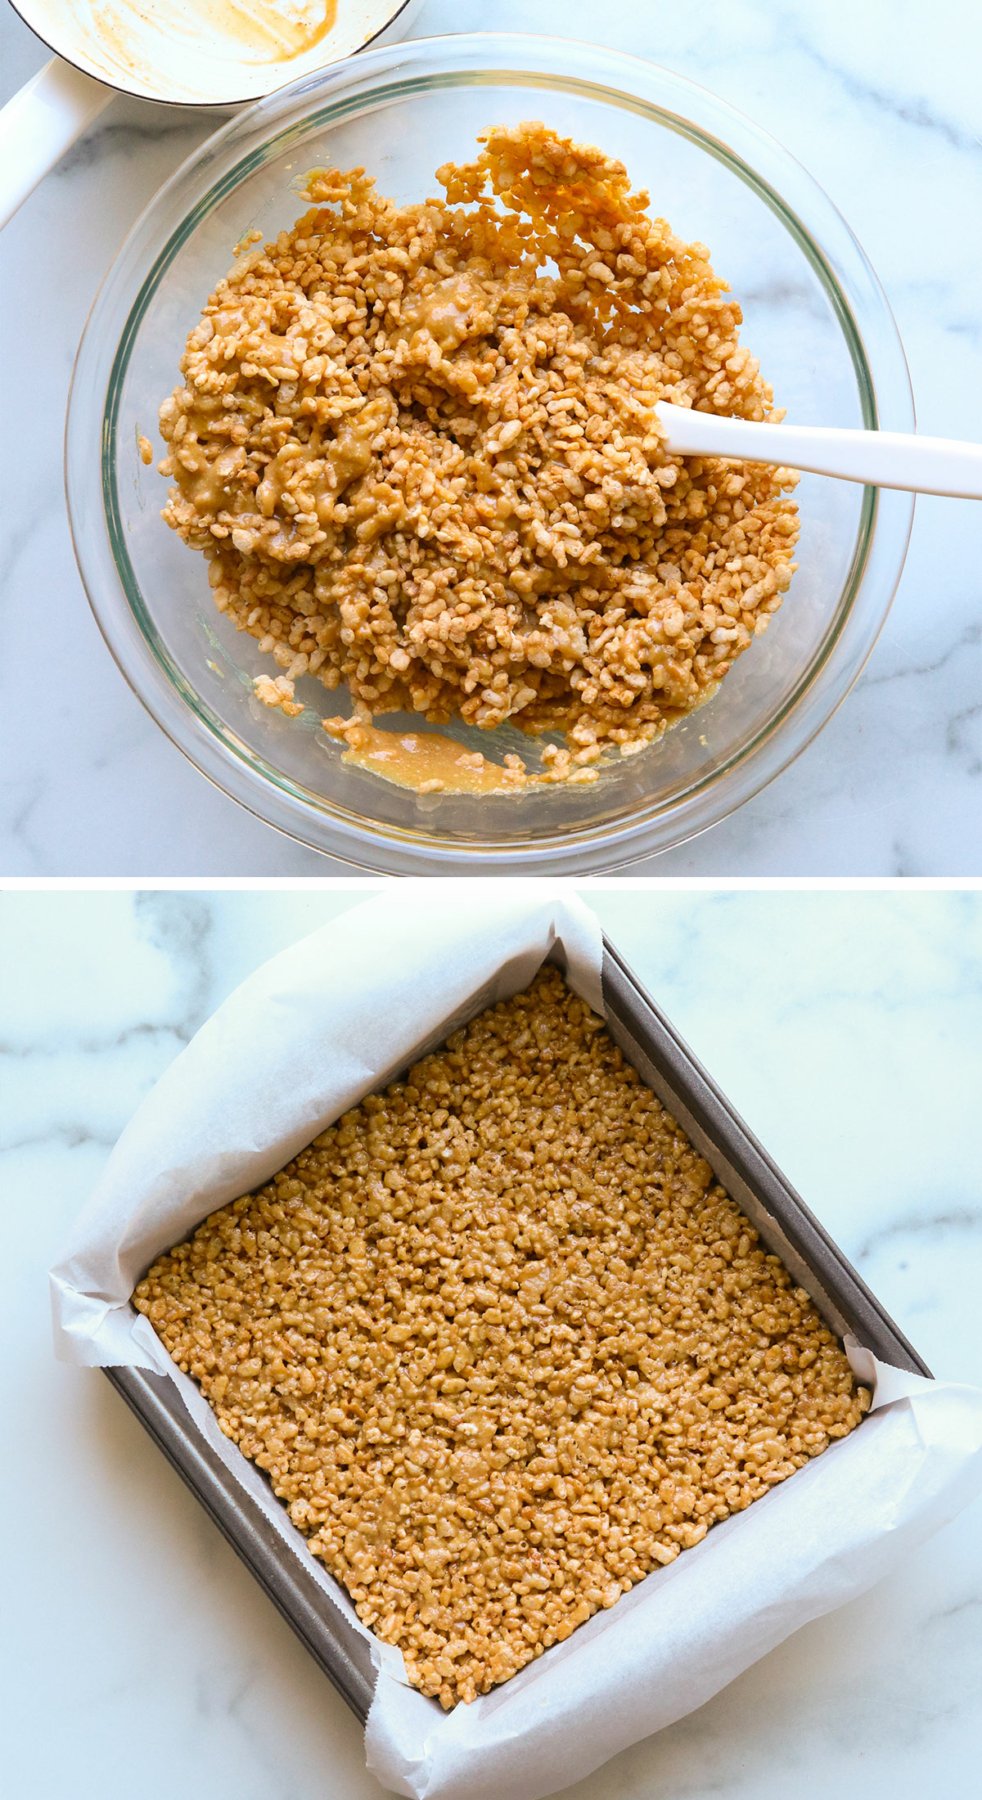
(137, 1652)
(880, 101)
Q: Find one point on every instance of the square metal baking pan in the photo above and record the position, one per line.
(754, 1181)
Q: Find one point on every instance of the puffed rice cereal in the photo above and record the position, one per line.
(418, 447)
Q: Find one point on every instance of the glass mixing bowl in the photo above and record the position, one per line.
(814, 315)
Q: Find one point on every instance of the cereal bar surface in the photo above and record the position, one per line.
(502, 1343)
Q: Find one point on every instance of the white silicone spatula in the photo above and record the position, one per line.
(893, 459)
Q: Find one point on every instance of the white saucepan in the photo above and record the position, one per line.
(183, 52)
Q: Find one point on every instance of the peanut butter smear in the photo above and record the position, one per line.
(424, 760)
(268, 30)
(250, 31)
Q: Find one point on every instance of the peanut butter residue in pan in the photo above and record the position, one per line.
(250, 32)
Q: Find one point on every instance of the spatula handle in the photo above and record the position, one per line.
(893, 459)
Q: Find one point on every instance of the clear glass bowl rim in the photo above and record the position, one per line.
(675, 102)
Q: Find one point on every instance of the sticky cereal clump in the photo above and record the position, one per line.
(418, 447)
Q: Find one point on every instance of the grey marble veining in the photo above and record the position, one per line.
(136, 1651)
(880, 101)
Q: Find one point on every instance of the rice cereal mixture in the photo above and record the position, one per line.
(418, 447)
(502, 1343)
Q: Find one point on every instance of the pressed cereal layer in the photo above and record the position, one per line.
(418, 446)
(502, 1343)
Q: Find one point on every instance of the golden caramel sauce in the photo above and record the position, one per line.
(422, 760)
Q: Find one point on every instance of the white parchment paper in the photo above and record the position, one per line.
(301, 1041)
